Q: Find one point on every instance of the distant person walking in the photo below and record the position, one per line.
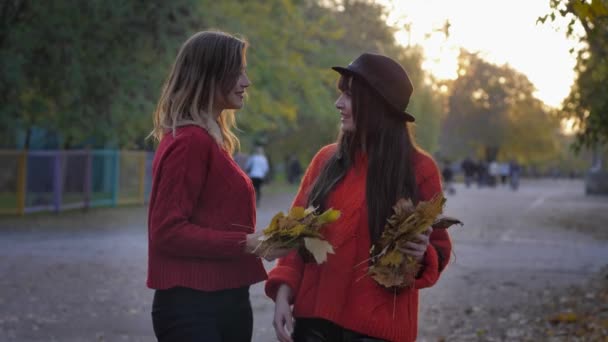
(469, 168)
(448, 176)
(514, 173)
(294, 169)
(257, 169)
(503, 170)
(494, 172)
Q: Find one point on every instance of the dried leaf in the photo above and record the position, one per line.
(329, 216)
(386, 276)
(564, 317)
(445, 222)
(287, 232)
(392, 258)
(390, 267)
(297, 212)
(318, 248)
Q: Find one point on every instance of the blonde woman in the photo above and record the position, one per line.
(202, 207)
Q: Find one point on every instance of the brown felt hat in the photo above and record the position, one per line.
(386, 77)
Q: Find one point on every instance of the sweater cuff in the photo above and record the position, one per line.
(231, 244)
(430, 274)
(282, 275)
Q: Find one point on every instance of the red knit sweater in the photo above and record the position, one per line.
(200, 207)
(339, 290)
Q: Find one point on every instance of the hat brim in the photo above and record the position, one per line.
(345, 71)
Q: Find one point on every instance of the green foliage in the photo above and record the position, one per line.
(82, 67)
(92, 70)
(587, 102)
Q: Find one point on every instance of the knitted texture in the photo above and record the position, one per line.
(202, 207)
(339, 290)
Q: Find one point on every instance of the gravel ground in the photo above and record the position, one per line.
(521, 259)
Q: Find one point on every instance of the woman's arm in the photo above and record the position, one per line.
(439, 249)
(183, 172)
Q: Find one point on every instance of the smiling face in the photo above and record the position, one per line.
(234, 98)
(344, 105)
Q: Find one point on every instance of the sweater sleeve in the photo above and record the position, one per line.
(439, 250)
(183, 172)
(289, 268)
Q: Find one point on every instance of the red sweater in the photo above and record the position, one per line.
(200, 207)
(339, 290)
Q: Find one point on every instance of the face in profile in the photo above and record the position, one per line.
(344, 106)
(234, 98)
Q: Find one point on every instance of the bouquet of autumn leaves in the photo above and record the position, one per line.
(299, 229)
(390, 267)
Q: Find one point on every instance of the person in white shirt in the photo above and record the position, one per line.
(257, 168)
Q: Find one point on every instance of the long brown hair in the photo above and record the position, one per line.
(384, 136)
(207, 62)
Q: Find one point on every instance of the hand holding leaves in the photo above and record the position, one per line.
(299, 229)
(397, 254)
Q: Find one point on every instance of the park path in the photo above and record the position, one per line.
(80, 276)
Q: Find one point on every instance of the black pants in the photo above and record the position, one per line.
(257, 185)
(185, 315)
(320, 330)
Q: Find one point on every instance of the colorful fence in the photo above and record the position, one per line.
(32, 181)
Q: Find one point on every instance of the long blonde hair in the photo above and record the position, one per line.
(207, 62)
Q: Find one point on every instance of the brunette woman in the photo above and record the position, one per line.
(374, 163)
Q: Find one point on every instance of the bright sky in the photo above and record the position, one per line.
(503, 31)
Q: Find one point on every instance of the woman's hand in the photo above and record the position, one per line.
(418, 246)
(253, 241)
(283, 319)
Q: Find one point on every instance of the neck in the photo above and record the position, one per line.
(215, 114)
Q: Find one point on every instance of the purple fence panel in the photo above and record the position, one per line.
(74, 179)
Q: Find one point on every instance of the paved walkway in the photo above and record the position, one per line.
(80, 276)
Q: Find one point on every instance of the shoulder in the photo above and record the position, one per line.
(320, 159)
(424, 165)
(193, 134)
(325, 153)
(188, 141)
(189, 136)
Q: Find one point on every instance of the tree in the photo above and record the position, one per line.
(492, 113)
(587, 102)
(95, 81)
(82, 68)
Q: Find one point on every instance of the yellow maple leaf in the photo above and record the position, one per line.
(296, 230)
(329, 216)
(274, 224)
(392, 258)
(297, 213)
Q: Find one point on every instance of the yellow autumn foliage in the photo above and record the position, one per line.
(299, 229)
(390, 267)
